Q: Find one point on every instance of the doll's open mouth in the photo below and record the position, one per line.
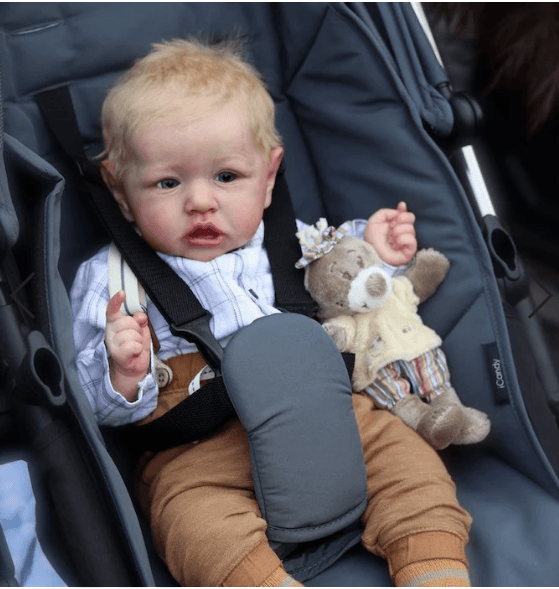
(204, 235)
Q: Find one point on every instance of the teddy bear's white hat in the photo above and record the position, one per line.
(317, 241)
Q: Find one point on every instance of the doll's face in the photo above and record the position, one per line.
(197, 187)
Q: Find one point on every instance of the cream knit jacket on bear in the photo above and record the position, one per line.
(392, 332)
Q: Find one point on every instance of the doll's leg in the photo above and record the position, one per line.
(205, 520)
(413, 517)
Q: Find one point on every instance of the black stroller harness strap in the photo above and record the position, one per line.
(198, 415)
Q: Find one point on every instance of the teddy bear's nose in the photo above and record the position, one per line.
(369, 289)
(376, 285)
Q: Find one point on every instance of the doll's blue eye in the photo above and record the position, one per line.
(167, 183)
(226, 177)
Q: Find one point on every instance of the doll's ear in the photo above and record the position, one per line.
(108, 174)
(273, 167)
(116, 188)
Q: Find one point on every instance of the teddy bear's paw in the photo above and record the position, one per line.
(427, 273)
(475, 429)
(432, 259)
(476, 423)
(410, 410)
(437, 425)
(441, 425)
(338, 334)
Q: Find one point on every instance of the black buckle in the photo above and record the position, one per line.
(198, 332)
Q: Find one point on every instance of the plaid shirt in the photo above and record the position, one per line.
(236, 288)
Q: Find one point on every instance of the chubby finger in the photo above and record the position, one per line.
(404, 241)
(113, 307)
(405, 229)
(141, 319)
(405, 218)
(118, 343)
(121, 337)
(402, 207)
(129, 350)
(133, 348)
(383, 216)
(125, 322)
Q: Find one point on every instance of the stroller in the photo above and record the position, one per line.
(366, 114)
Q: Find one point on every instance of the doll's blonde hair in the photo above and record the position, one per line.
(199, 70)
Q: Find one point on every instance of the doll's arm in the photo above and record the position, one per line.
(342, 330)
(427, 272)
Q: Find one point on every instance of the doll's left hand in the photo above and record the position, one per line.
(391, 232)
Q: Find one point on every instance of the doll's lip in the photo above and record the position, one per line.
(205, 235)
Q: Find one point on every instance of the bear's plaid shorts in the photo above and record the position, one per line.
(427, 376)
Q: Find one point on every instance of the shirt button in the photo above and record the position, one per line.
(164, 375)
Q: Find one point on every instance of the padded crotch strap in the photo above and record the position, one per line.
(292, 392)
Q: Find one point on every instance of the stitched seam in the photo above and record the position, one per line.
(322, 526)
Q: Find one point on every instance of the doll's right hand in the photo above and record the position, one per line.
(127, 339)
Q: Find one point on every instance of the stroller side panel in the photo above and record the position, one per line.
(59, 438)
(355, 142)
(397, 160)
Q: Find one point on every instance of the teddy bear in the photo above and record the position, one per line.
(373, 314)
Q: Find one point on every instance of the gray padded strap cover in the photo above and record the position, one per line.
(292, 393)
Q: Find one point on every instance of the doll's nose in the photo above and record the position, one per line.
(200, 199)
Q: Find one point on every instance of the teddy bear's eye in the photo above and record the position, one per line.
(360, 262)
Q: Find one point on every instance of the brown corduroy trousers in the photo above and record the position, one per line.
(207, 526)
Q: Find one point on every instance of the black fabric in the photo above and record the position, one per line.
(284, 251)
(211, 406)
